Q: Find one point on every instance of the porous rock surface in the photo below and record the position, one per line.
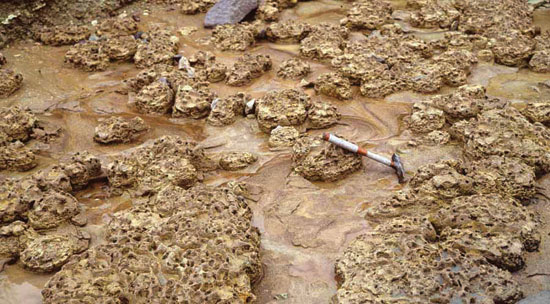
(367, 15)
(226, 110)
(168, 160)
(324, 42)
(506, 132)
(234, 161)
(322, 114)
(16, 123)
(88, 55)
(17, 126)
(538, 111)
(334, 85)
(318, 160)
(155, 98)
(247, 68)
(113, 39)
(38, 214)
(193, 245)
(16, 157)
(514, 40)
(234, 37)
(381, 267)
(192, 102)
(441, 213)
(63, 35)
(469, 213)
(10, 81)
(191, 7)
(283, 137)
(156, 46)
(206, 68)
(393, 60)
(270, 10)
(287, 107)
(293, 68)
(288, 31)
(119, 130)
(47, 253)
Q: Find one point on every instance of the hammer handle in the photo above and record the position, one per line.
(346, 145)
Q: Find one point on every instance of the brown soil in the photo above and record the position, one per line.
(305, 226)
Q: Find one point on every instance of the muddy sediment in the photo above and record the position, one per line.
(207, 179)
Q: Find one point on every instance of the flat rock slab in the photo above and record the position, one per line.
(229, 12)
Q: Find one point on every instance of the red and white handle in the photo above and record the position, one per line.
(346, 145)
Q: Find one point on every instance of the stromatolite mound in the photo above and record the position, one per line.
(88, 56)
(16, 157)
(334, 85)
(229, 12)
(367, 15)
(225, 111)
(197, 246)
(16, 123)
(39, 215)
(11, 242)
(497, 227)
(235, 37)
(317, 160)
(155, 98)
(293, 68)
(324, 42)
(234, 161)
(288, 31)
(322, 114)
(47, 253)
(248, 67)
(193, 102)
(433, 185)
(506, 132)
(63, 35)
(283, 137)
(206, 68)
(540, 62)
(382, 267)
(153, 165)
(10, 81)
(538, 111)
(287, 107)
(119, 130)
(157, 46)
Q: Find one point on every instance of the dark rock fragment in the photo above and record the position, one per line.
(229, 12)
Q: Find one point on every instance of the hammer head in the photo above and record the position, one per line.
(398, 166)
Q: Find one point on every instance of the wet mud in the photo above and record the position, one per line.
(228, 134)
